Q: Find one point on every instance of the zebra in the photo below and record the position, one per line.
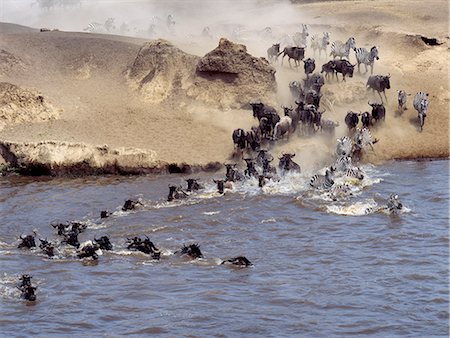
(320, 43)
(401, 101)
(420, 104)
(354, 172)
(324, 182)
(338, 48)
(95, 27)
(394, 206)
(300, 38)
(366, 57)
(343, 163)
(340, 191)
(344, 146)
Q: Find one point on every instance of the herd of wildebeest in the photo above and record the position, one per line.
(305, 120)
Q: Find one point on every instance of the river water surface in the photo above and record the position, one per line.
(321, 268)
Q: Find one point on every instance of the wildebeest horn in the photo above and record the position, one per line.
(389, 75)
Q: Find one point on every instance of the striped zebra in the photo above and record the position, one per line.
(394, 206)
(95, 27)
(344, 146)
(401, 101)
(354, 172)
(300, 38)
(365, 57)
(420, 104)
(340, 191)
(338, 48)
(343, 163)
(324, 182)
(320, 44)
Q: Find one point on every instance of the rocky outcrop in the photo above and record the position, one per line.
(18, 105)
(227, 77)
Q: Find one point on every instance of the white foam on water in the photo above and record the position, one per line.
(356, 209)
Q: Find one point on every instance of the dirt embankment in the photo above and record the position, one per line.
(153, 97)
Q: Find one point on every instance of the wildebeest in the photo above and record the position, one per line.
(312, 97)
(175, 193)
(420, 103)
(89, 249)
(192, 250)
(344, 67)
(262, 180)
(222, 184)
(239, 139)
(295, 53)
(104, 214)
(71, 238)
(268, 170)
(366, 119)
(28, 292)
(307, 113)
(328, 126)
(314, 82)
(328, 68)
(69, 226)
(47, 247)
(146, 246)
(320, 43)
(239, 261)
(250, 170)
(253, 138)
(192, 185)
(378, 111)
(379, 83)
(282, 128)
(130, 205)
(263, 155)
(27, 242)
(25, 280)
(401, 101)
(104, 243)
(351, 120)
(366, 57)
(294, 115)
(272, 52)
(287, 164)
(338, 48)
(309, 66)
(232, 174)
(296, 89)
(267, 117)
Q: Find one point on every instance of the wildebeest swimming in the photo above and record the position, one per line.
(238, 261)
(28, 291)
(89, 249)
(146, 246)
(104, 243)
(175, 193)
(193, 185)
(47, 247)
(287, 164)
(130, 205)
(27, 242)
(192, 251)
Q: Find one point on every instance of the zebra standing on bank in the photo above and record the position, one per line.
(300, 38)
(420, 104)
(365, 57)
(95, 27)
(338, 48)
(320, 43)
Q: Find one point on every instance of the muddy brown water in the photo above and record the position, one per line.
(321, 268)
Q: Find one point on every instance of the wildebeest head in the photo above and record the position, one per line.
(262, 180)
(104, 243)
(366, 119)
(89, 250)
(286, 163)
(192, 250)
(77, 226)
(262, 156)
(309, 65)
(25, 280)
(47, 247)
(104, 214)
(351, 120)
(378, 111)
(239, 261)
(287, 111)
(130, 205)
(386, 81)
(172, 190)
(257, 108)
(71, 238)
(192, 184)
(27, 242)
